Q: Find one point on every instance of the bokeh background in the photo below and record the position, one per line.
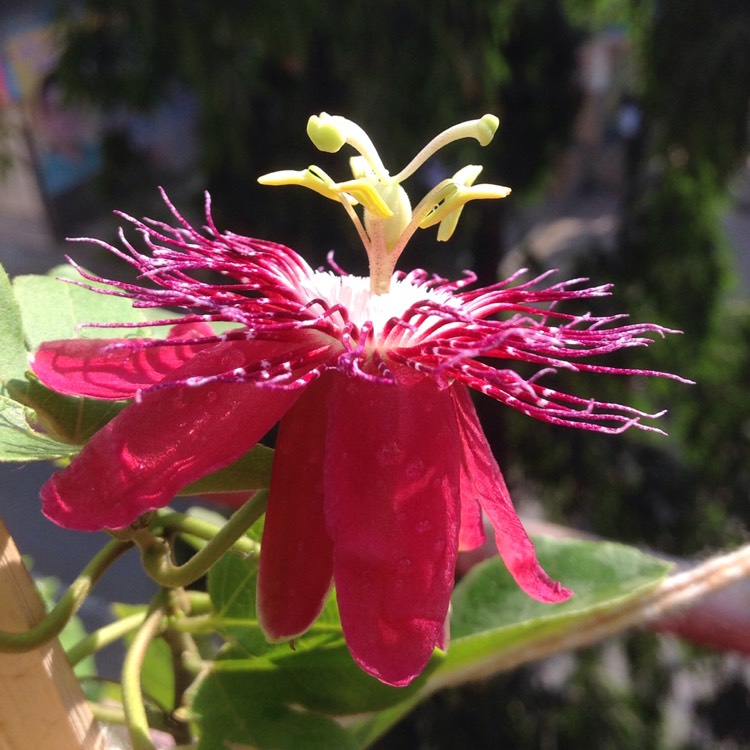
(624, 135)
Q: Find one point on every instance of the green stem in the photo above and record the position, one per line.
(107, 714)
(199, 602)
(112, 714)
(132, 698)
(68, 605)
(199, 527)
(184, 652)
(156, 553)
(103, 637)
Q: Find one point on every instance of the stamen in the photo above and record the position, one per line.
(483, 130)
(330, 132)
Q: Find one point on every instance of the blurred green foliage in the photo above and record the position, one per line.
(403, 70)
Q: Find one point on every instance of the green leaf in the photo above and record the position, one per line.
(228, 710)
(19, 441)
(251, 472)
(52, 309)
(13, 361)
(491, 615)
(231, 586)
(72, 419)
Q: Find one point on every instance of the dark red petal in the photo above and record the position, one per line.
(108, 368)
(392, 494)
(513, 542)
(296, 559)
(156, 446)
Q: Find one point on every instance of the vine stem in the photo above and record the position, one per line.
(673, 594)
(50, 627)
(104, 636)
(156, 553)
(200, 528)
(132, 698)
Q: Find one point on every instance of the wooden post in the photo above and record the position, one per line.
(41, 703)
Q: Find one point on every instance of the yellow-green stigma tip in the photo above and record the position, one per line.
(324, 134)
(487, 127)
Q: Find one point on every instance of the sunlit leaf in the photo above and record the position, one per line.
(72, 419)
(19, 441)
(492, 615)
(52, 309)
(13, 361)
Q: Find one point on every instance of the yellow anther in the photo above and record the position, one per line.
(364, 192)
(450, 199)
(313, 177)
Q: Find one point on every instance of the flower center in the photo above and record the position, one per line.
(363, 305)
(388, 221)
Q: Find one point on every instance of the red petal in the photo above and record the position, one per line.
(296, 559)
(513, 542)
(172, 437)
(196, 330)
(392, 492)
(108, 368)
(471, 535)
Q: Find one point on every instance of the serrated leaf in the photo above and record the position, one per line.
(20, 442)
(13, 360)
(251, 472)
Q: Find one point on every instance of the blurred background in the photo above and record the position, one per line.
(624, 135)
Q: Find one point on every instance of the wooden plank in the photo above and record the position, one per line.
(41, 703)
